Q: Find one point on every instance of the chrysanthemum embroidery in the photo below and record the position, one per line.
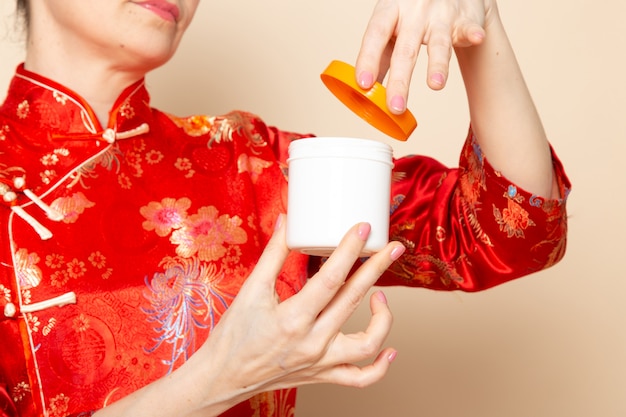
(58, 406)
(513, 220)
(208, 234)
(183, 299)
(165, 216)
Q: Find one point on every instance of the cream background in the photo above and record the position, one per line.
(550, 345)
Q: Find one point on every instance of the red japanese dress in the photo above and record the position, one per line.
(121, 246)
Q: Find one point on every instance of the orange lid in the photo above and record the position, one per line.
(370, 104)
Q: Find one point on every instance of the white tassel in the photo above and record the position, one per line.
(41, 230)
(139, 130)
(50, 212)
(60, 301)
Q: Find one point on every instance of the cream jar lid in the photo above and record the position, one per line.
(370, 104)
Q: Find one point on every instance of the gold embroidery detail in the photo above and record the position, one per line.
(23, 109)
(252, 165)
(72, 206)
(28, 273)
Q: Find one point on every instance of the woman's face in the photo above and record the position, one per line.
(124, 32)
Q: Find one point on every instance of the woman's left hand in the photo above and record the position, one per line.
(398, 29)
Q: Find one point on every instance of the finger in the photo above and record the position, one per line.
(469, 34)
(352, 293)
(325, 284)
(273, 257)
(351, 348)
(439, 48)
(373, 59)
(403, 59)
(359, 376)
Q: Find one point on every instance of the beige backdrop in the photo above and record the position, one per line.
(550, 345)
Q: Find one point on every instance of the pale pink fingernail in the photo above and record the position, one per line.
(392, 356)
(366, 79)
(279, 222)
(397, 103)
(364, 230)
(381, 297)
(397, 252)
(437, 78)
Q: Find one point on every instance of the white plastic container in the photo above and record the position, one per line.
(334, 183)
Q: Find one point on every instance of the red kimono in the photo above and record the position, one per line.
(122, 246)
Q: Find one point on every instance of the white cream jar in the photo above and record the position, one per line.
(334, 183)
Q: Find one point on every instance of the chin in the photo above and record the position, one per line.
(145, 60)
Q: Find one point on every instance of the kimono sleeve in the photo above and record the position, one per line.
(469, 228)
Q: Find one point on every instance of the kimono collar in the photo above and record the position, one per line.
(61, 115)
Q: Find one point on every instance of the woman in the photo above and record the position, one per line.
(130, 231)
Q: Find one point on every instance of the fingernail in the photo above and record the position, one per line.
(366, 79)
(364, 230)
(397, 252)
(397, 103)
(437, 78)
(392, 356)
(279, 222)
(381, 297)
(479, 35)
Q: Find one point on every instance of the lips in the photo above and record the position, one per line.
(162, 8)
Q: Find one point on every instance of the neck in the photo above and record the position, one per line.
(97, 82)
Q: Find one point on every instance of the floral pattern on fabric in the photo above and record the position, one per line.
(164, 218)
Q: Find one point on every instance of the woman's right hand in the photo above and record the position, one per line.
(262, 344)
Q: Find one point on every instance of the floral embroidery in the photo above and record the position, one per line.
(182, 300)
(395, 202)
(124, 181)
(20, 391)
(76, 269)
(59, 406)
(48, 176)
(97, 259)
(440, 234)
(54, 260)
(3, 132)
(513, 220)
(107, 274)
(81, 323)
(48, 327)
(28, 273)
(59, 278)
(59, 97)
(154, 157)
(71, 207)
(206, 233)
(33, 322)
(253, 165)
(5, 293)
(23, 109)
(184, 164)
(127, 110)
(194, 125)
(49, 159)
(164, 216)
